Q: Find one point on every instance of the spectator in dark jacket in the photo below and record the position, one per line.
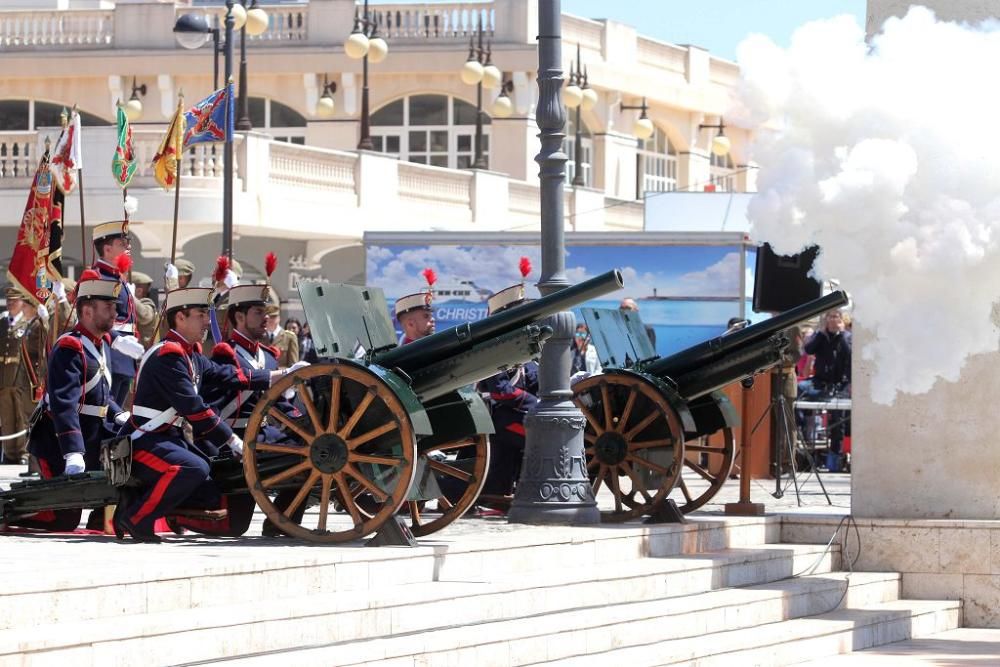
(831, 350)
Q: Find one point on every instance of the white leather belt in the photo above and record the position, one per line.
(125, 327)
(94, 410)
(157, 418)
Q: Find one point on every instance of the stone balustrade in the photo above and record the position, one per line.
(446, 20)
(283, 186)
(70, 28)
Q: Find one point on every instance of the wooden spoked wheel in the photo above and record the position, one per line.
(691, 496)
(634, 442)
(459, 468)
(355, 439)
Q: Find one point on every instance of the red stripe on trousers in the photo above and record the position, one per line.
(159, 465)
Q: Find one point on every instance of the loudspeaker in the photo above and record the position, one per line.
(783, 282)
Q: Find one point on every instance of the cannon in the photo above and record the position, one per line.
(383, 427)
(644, 414)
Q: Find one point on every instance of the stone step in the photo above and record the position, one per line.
(788, 642)
(97, 579)
(272, 624)
(531, 637)
(962, 646)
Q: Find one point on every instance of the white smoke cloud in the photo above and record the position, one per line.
(886, 157)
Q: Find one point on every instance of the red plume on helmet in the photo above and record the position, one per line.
(524, 266)
(430, 276)
(221, 267)
(89, 274)
(123, 263)
(270, 263)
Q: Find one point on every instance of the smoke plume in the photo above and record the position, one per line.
(886, 156)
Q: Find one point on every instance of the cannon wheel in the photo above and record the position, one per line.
(632, 433)
(715, 475)
(354, 432)
(472, 480)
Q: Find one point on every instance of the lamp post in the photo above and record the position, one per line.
(578, 95)
(326, 105)
(479, 70)
(720, 143)
(554, 487)
(191, 31)
(255, 24)
(365, 42)
(642, 129)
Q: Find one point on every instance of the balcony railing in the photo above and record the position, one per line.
(447, 20)
(70, 28)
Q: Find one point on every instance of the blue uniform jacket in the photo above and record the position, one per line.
(170, 377)
(235, 406)
(512, 394)
(125, 320)
(63, 428)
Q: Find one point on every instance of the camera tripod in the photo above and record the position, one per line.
(786, 444)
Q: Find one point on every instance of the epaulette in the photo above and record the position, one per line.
(225, 350)
(70, 343)
(170, 347)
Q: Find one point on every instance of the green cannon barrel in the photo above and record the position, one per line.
(744, 362)
(437, 347)
(700, 358)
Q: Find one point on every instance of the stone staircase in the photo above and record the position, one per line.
(710, 592)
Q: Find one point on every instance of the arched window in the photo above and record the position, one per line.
(279, 120)
(569, 147)
(721, 173)
(28, 115)
(657, 160)
(429, 129)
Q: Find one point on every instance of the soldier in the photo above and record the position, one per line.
(245, 350)
(283, 340)
(77, 411)
(173, 471)
(146, 307)
(512, 393)
(113, 261)
(11, 420)
(31, 373)
(63, 316)
(414, 312)
(185, 272)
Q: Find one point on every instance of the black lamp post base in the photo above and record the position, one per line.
(554, 486)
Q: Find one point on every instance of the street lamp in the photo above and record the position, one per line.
(503, 107)
(133, 108)
(191, 31)
(254, 24)
(366, 43)
(721, 143)
(643, 127)
(578, 95)
(326, 105)
(480, 71)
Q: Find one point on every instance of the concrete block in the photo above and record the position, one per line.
(981, 595)
(965, 550)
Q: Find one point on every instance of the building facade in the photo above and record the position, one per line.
(302, 189)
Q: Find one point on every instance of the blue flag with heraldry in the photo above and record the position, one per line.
(212, 119)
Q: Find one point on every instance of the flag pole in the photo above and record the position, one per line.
(178, 167)
(83, 217)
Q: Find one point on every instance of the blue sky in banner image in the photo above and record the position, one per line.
(701, 283)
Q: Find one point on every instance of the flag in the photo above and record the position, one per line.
(66, 158)
(212, 119)
(53, 260)
(171, 150)
(27, 269)
(123, 164)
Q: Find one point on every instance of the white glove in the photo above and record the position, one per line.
(297, 365)
(129, 346)
(43, 313)
(235, 444)
(74, 463)
(60, 291)
(122, 418)
(230, 280)
(170, 271)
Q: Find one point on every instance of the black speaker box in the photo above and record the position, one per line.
(783, 282)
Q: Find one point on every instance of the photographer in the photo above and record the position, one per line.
(831, 349)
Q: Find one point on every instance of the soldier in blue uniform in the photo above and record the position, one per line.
(172, 470)
(512, 394)
(113, 261)
(243, 349)
(77, 411)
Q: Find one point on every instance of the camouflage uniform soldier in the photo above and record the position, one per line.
(11, 329)
(145, 307)
(31, 373)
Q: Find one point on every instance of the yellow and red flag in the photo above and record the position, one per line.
(171, 151)
(28, 265)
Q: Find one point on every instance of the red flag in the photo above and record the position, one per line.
(31, 253)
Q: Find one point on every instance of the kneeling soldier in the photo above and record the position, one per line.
(171, 469)
(77, 410)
